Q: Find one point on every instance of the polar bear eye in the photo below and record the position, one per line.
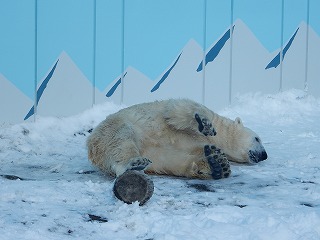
(257, 139)
(200, 172)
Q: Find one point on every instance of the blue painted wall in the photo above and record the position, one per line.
(104, 37)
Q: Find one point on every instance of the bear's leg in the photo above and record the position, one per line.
(189, 117)
(121, 151)
(205, 126)
(218, 162)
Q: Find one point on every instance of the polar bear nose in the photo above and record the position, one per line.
(264, 156)
(257, 156)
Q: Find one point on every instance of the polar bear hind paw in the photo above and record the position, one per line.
(138, 163)
(219, 164)
(205, 126)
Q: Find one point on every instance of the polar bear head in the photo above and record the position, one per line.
(245, 146)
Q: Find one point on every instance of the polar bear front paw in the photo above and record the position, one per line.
(219, 164)
(138, 163)
(205, 126)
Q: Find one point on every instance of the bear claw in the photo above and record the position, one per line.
(205, 126)
(139, 163)
(207, 150)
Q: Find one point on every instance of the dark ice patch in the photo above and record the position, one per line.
(83, 132)
(12, 177)
(241, 205)
(311, 182)
(307, 204)
(95, 218)
(200, 187)
(86, 172)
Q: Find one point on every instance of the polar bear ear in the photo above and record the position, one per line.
(238, 121)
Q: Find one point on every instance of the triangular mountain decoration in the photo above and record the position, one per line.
(41, 90)
(275, 62)
(165, 76)
(115, 86)
(215, 50)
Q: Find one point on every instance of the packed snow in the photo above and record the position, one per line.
(49, 189)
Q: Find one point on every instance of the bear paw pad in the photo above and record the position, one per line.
(205, 126)
(219, 164)
(138, 163)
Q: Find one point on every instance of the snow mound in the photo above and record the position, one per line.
(49, 190)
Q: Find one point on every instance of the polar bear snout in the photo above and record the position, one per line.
(256, 156)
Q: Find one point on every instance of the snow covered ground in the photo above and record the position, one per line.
(49, 190)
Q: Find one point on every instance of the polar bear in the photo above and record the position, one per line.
(176, 137)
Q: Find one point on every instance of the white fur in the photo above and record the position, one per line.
(166, 132)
